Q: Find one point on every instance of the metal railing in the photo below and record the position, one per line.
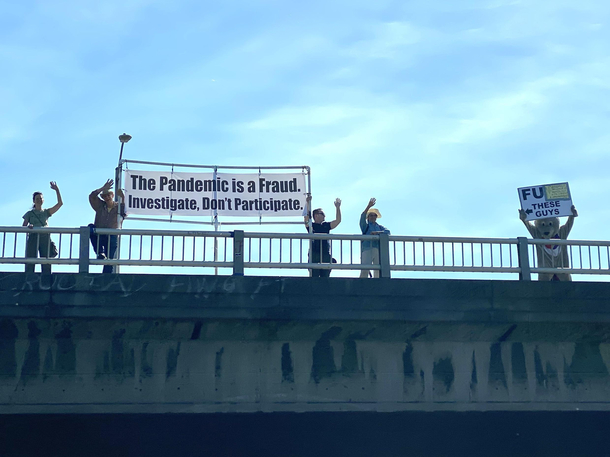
(238, 251)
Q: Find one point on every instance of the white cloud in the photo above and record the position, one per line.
(307, 116)
(388, 40)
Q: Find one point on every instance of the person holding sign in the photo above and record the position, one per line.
(106, 216)
(549, 255)
(39, 244)
(320, 249)
(370, 248)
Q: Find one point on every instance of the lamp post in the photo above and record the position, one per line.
(124, 138)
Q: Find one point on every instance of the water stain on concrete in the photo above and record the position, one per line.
(218, 363)
(442, 372)
(323, 365)
(552, 378)
(497, 375)
(196, 330)
(47, 366)
(287, 365)
(8, 356)
(587, 363)
(507, 333)
(172, 361)
(65, 360)
(540, 376)
(407, 362)
(349, 360)
(117, 353)
(473, 377)
(146, 370)
(517, 358)
(31, 362)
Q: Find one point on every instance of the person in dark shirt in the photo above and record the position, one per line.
(320, 249)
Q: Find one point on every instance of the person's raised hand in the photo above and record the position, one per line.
(108, 184)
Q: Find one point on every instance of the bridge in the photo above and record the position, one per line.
(229, 348)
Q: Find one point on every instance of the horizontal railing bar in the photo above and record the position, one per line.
(441, 239)
(36, 260)
(184, 221)
(162, 263)
(568, 242)
(317, 266)
(177, 233)
(51, 230)
(577, 271)
(308, 236)
(456, 268)
(217, 167)
(178, 221)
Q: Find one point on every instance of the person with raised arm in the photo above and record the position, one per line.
(320, 249)
(551, 255)
(370, 248)
(39, 243)
(107, 214)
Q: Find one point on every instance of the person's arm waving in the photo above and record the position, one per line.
(337, 220)
(60, 202)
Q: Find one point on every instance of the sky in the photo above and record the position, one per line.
(438, 109)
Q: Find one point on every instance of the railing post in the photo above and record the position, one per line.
(384, 255)
(524, 263)
(238, 253)
(83, 252)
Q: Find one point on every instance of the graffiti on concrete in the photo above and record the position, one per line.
(199, 287)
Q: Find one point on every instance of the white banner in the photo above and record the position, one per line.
(206, 194)
(548, 200)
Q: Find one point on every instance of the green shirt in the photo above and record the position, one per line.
(37, 218)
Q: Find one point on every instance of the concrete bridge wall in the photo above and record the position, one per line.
(73, 343)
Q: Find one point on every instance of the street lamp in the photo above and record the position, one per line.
(124, 138)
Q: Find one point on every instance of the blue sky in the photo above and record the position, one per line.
(439, 109)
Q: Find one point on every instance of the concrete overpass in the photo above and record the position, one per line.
(91, 344)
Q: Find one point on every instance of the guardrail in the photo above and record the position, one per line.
(238, 251)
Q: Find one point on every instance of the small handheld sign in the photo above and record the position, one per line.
(547, 200)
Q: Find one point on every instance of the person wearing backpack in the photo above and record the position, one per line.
(38, 244)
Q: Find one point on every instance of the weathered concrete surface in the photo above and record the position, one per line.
(144, 343)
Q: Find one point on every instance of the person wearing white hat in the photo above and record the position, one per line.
(370, 248)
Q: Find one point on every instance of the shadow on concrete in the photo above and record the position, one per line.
(309, 434)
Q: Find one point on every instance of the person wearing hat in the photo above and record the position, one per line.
(370, 248)
(106, 216)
